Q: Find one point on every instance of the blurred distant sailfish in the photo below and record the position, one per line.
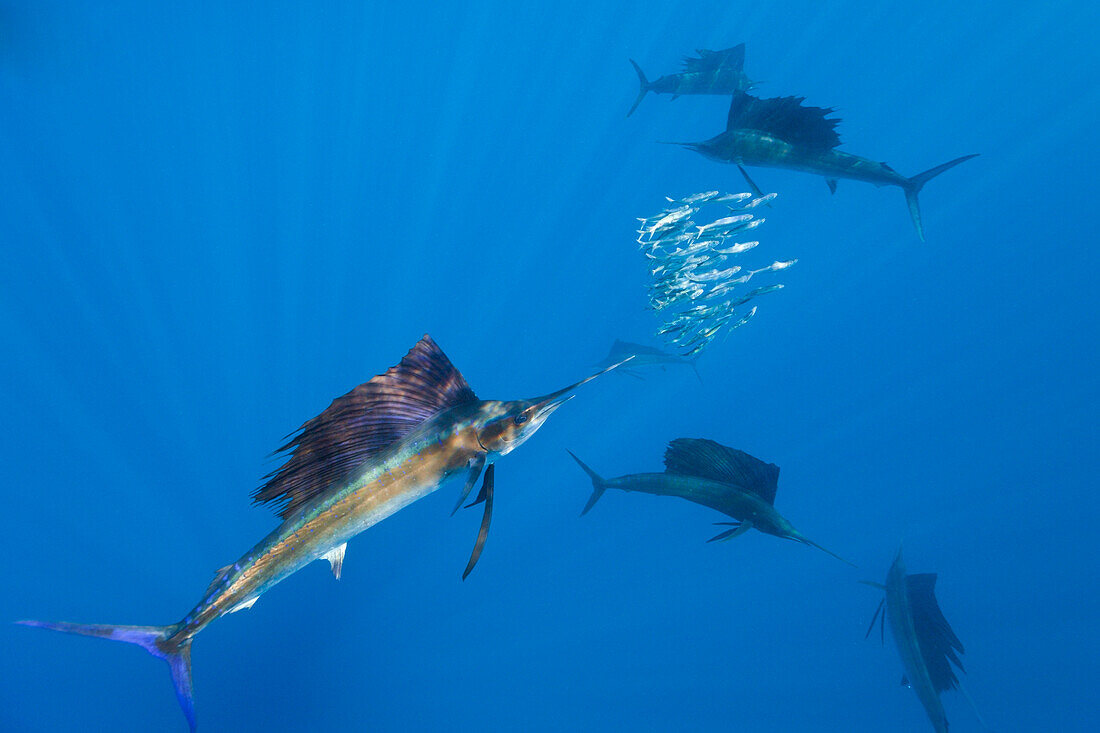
(781, 133)
(925, 641)
(714, 72)
(388, 442)
(711, 474)
(641, 355)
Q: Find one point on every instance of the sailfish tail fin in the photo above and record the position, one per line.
(643, 87)
(598, 484)
(160, 641)
(916, 183)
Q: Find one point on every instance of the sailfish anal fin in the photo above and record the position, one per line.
(335, 557)
(486, 495)
(328, 449)
(245, 604)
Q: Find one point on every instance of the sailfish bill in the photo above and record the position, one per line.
(390, 441)
(546, 406)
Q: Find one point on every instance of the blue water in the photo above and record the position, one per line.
(216, 219)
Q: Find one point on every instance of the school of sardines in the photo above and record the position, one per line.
(402, 434)
(696, 295)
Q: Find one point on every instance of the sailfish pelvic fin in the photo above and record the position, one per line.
(874, 618)
(739, 528)
(486, 495)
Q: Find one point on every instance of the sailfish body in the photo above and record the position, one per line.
(713, 72)
(373, 451)
(716, 476)
(925, 641)
(782, 133)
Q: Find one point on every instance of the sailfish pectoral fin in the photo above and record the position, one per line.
(756, 190)
(486, 495)
(476, 464)
(739, 528)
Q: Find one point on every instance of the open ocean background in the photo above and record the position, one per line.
(214, 218)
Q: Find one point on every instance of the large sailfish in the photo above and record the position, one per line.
(782, 133)
(713, 72)
(709, 473)
(373, 451)
(925, 641)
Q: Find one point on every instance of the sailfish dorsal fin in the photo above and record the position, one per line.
(706, 459)
(786, 119)
(733, 58)
(327, 450)
(938, 644)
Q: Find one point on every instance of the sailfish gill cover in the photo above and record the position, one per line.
(217, 219)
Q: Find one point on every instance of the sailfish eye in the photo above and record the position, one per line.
(520, 419)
